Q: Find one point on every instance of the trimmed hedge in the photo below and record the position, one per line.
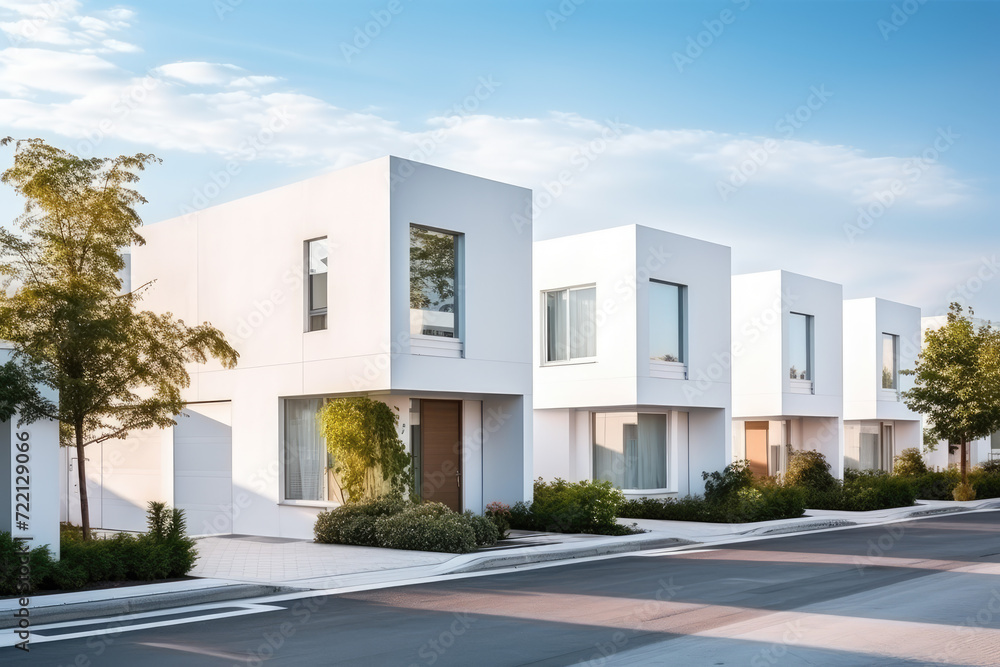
(162, 553)
(759, 501)
(571, 507)
(393, 523)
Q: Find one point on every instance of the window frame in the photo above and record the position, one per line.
(670, 444)
(282, 482)
(895, 363)
(810, 349)
(459, 279)
(545, 328)
(310, 312)
(682, 323)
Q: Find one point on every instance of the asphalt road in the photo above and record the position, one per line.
(915, 593)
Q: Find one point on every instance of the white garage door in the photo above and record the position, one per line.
(203, 468)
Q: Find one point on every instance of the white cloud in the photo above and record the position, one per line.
(201, 73)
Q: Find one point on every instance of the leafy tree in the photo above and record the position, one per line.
(432, 268)
(369, 456)
(115, 368)
(957, 383)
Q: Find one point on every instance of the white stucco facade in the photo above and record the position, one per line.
(783, 323)
(29, 478)
(242, 267)
(617, 385)
(881, 338)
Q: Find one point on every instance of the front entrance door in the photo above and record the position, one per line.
(441, 452)
(756, 434)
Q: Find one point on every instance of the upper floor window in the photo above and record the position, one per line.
(570, 324)
(800, 346)
(317, 260)
(890, 361)
(667, 322)
(434, 285)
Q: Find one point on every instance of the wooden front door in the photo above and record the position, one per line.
(757, 447)
(441, 452)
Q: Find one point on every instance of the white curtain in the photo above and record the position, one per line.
(651, 462)
(583, 323)
(555, 318)
(305, 451)
(869, 455)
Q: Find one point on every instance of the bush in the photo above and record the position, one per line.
(875, 490)
(419, 530)
(762, 502)
(936, 485)
(909, 463)
(165, 552)
(991, 467)
(985, 482)
(499, 514)
(964, 492)
(581, 507)
(521, 517)
(393, 523)
(734, 477)
(809, 469)
(354, 523)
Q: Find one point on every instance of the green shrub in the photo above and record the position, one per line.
(762, 502)
(499, 514)
(734, 477)
(985, 482)
(39, 562)
(580, 507)
(909, 463)
(991, 467)
(354, 523)
(485, 530)
(418, 530)
(875, 490)
(521, 517)
(810, 470)
(936, 485)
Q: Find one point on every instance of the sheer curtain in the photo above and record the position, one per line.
(555, 318)
(583, 323)
(869, 455)
(651, 459)
(305, 451)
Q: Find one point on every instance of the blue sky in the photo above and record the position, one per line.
(853, 141)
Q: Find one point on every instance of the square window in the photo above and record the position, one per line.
(570, 324)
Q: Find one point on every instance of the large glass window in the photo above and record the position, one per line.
(800, 346)
(571, 324)
(434, 285)
(318, 265)
(666, 322)
(630, 449)
(308, 466)
(890, 366)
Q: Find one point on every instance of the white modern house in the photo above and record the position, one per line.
(881, 338)
(391, 279)
(631, 359)
(29, 478)
(981, 450)
(787, 337)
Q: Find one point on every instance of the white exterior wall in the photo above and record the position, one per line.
(620, 262)
(240, 266)
(41, 480)
(762, 388)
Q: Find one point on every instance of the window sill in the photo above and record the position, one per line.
(320, 504)
(571, 362)
(437, 346)
(638, 493)
(671, 370)
(800, 387)
(888, 395)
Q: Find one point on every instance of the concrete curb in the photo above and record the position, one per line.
(492, 562)
(75, 611)
(799, 527)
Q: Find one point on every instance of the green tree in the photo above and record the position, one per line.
(432, 268)
(115, 368)
(369, 456)
(957, 383)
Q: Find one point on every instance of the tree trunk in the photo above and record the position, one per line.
(965, 461)
(81, 470)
